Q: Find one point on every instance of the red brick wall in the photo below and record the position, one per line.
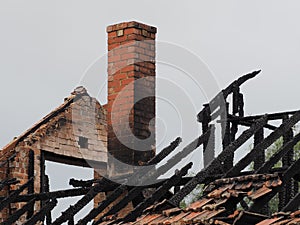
(131, 94)
(60, 135)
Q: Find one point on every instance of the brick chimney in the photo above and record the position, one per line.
(131, 95)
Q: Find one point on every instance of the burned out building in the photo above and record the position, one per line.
(107, 138)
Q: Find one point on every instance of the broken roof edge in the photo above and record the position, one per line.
(77, 94)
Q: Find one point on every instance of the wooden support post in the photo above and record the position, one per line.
(225, 127)
(208, 149)
(31, 176)
(259, 160)
(287, 192)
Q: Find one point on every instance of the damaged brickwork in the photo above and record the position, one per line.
(80, 132)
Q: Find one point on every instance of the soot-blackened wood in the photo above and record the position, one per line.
(241, 105)
(271, 116)
(54, 194)
(165, 152)
(103, 205)
(219, 98)
(226, 136)
(286, 176)
(269, 140)
(16, 215)
(235, 100)
(240, 121)
(288, 191)
(293, 204)
(14, 195)
(159, 193)
(266, 167)
(47, 189)
(155, 173)
(11, 158)
(216, 163)
(109, 185)
(144, 175)
(71, 221)
(205, 123)
(122, 188)
(69, 213)
(7, 182)
(40, 215)
(259, 160)
(30, 176)
(106, 185)
(209, 153)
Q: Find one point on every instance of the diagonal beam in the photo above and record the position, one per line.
(293, 204)
(72, 210)
(146, 174)
(286, 176)
(155, 173)
(12, 197)
(14, 217)
(217, 163)
(40, 216)
(278, 155)
(159, 193)
(268, 141)
(221, 96)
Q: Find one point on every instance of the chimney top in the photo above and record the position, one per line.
(131, 24)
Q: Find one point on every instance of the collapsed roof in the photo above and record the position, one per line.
(232, 195)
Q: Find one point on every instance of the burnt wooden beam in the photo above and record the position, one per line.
(12, 157)
(287, 192)
(103, 205)
(293, 204)
(7, 182)
(71, 221)
(226, 138)
(241, 105)
(159, 193)
(278, 155)
(122, 188)
(269, 140)
(165, 152)
(106, 185)
(14, 195)
(16, 215)
(50, 156)
(106, 182)
(286, 176)
(164, 168)
(245, 123)
(260, 158)
(215, 102)
(216, 163)
(144, 175)
(205, 123)
(209, 151)
(40, 215)
(30, 189)
(271, 116)
(55, 194)
(69, 213)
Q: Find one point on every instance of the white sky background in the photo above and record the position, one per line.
(46, 46)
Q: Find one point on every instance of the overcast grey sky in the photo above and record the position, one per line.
(46, 46)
